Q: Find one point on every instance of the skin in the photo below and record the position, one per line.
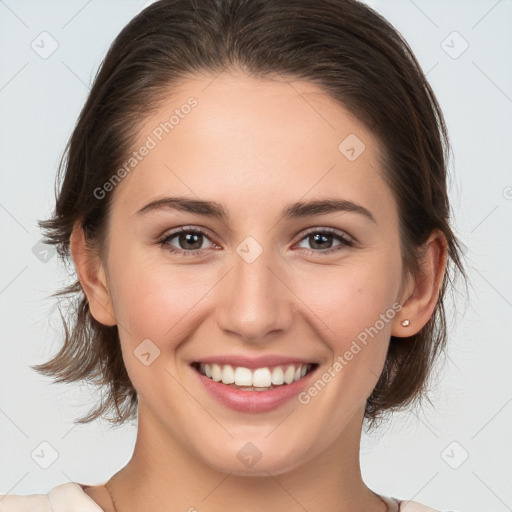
(254, 146)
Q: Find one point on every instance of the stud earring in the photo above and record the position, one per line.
(406, 322)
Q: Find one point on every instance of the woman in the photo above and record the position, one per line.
(254, 199)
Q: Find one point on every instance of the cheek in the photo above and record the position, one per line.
(163, 304)
(155, 299)
(162, 301)
(352, 307)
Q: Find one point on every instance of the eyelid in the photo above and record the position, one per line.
(185, 229)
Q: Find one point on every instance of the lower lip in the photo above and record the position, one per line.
(254, 401)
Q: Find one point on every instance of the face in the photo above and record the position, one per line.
(256, 281)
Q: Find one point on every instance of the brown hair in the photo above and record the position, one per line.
(345, 48)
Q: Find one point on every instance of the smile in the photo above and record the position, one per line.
(257, 379)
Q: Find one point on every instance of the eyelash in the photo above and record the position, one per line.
(343, 239)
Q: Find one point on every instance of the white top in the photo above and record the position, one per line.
(70, 497)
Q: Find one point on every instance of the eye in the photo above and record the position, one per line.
(189, 241)
(321, 241)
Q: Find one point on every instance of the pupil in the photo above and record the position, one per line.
(317, 239)
(191, 238)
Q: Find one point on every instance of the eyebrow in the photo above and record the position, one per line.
(292, 211)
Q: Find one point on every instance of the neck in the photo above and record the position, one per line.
(165, 476)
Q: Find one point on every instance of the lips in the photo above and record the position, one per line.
(254, 385)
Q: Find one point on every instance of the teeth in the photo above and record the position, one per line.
(289, 374)
(277, 376)
(243, 376)
(259, 379)
(216, 373)
(228, 375)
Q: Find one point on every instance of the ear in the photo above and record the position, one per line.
(92, 276)
(423, 292)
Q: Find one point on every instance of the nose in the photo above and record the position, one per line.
(256, 299)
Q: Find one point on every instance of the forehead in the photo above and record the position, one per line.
(233, 136)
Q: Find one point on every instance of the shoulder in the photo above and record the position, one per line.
(63, 498)
(398, 505)
(31, 503)
(414, 506)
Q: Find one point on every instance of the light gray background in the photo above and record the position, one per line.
(413, 456)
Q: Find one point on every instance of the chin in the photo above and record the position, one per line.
(248, 460)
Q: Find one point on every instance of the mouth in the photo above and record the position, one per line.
(264, 378)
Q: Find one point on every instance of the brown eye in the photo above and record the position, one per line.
(190, 240)
(323, 241)
(185, 240)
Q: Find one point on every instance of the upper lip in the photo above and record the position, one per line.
(254, 362)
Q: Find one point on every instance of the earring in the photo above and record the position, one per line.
(405, 322)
